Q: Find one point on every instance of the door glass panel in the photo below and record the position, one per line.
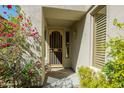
(67, 44)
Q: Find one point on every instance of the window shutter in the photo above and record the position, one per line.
(100, 37)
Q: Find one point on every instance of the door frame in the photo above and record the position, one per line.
(61, 31)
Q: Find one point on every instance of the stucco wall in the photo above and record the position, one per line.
(81, 43)
(34, 11)
(36, 16)
(114, 11)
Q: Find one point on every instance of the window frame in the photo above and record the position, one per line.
(67, 45)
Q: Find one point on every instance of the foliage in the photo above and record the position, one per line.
(116, 48)
(114, 69)
(29, 72)
(14, 67)
(118, 24)
(85, 75)
(91, 79)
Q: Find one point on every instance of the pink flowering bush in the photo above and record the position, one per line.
(15, 69)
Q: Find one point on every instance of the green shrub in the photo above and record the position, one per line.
(85, 76)
(29, 73)
(91, 79)
(114, 69)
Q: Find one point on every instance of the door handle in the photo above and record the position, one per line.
(55, 50)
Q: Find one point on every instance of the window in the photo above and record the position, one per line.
(67, 44)
(99, 18)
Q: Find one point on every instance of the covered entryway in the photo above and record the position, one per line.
(59, 33)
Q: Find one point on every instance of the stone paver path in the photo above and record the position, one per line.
(61, 78)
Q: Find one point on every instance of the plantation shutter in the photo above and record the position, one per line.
(99, 37)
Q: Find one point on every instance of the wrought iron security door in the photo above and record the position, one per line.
(55, 48)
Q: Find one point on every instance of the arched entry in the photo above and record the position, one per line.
(55, 48)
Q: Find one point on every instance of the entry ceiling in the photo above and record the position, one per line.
(61, 17)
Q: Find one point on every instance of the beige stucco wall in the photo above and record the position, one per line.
(37, 19)
(81, 43)
(34, 11)
(114, 11)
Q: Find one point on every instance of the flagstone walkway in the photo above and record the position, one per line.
(61, 78)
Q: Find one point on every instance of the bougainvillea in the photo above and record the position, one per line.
(9, 6)
(18, 37)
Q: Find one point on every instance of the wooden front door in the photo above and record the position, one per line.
(55, 48)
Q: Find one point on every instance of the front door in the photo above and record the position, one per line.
(55, 48)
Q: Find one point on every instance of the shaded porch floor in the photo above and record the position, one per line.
(65, 77)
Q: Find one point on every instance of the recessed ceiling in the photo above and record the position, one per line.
(61, 17)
